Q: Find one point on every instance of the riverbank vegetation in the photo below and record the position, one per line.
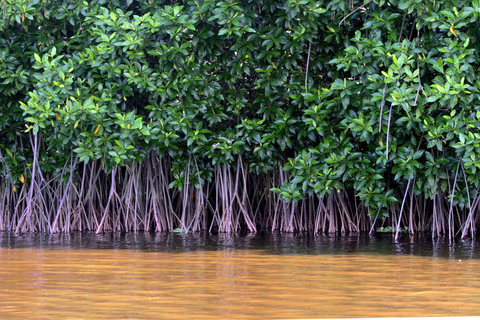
(294, 115)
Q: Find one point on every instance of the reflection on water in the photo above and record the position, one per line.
(272, 244)
(154, 276)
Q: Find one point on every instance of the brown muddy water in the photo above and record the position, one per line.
(148, 276)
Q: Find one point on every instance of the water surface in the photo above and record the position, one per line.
(167, 276)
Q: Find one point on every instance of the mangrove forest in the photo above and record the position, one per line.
(223, 116)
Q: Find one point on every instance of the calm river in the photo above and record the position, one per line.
(148, 276)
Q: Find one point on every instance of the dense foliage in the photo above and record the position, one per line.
(371, 102)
